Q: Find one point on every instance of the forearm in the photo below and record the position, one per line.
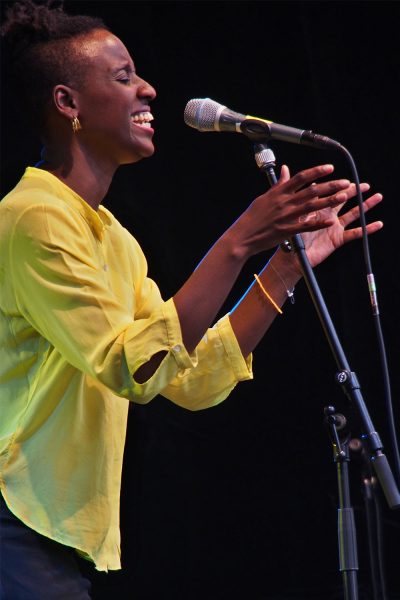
(201, 297)
(254, 314)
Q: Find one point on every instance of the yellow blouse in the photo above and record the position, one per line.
(78, 316)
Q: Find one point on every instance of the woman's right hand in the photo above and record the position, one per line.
(291, 206)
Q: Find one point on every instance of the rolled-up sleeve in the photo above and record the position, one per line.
(210, 379)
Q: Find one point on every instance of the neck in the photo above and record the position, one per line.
(89, 178)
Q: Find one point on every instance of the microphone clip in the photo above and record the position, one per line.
(338, 433)
(256, 130)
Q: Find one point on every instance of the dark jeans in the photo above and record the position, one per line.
(33, 567)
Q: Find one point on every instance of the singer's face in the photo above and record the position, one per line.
(113, 102)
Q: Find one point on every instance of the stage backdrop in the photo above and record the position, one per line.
(241, 500)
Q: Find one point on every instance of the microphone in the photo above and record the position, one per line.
(205, 114)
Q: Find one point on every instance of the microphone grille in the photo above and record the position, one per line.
(264, 158)
(202, 113)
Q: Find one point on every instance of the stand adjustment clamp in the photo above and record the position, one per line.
(347, 379)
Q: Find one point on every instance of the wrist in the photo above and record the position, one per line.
(235, 249)
(288, 266)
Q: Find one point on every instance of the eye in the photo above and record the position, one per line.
(124, 80)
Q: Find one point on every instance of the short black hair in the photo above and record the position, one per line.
(40, 53)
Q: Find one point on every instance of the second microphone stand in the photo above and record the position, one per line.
(345, 377)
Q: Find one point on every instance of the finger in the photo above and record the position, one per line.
(352, 191)
(353, 214)
(285, 174)
(328, 188)
(356, 233)
(307, 176)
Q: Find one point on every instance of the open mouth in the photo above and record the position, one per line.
(142, 119)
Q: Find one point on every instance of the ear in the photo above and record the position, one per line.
(65, 101)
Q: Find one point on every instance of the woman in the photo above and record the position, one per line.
(83, 328)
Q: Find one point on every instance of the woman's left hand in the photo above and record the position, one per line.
(320, 244)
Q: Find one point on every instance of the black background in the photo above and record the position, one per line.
(241, 500)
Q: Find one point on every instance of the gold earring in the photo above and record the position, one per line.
(76, 126)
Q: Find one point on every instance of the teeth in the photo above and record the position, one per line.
(143, 119)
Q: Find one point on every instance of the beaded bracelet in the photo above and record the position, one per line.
(274, 304)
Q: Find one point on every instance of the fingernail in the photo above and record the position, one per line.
(327, 168)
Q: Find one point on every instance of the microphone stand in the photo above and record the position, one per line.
(373, 514)
(347, 542)
(345, 377)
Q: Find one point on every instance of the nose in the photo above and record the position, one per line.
(146, 91)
